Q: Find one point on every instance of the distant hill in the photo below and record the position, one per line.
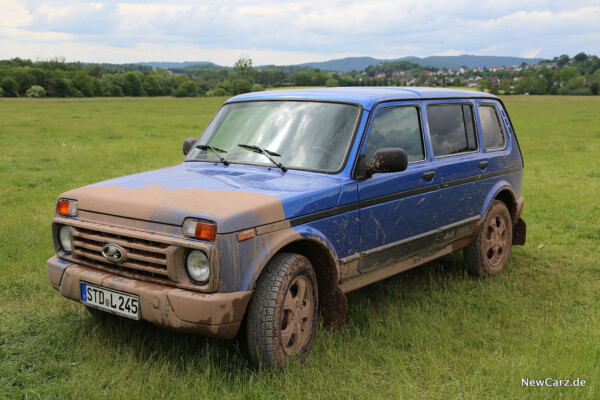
(184, 64)
(451, 62)
(344, 64)
(357, 63)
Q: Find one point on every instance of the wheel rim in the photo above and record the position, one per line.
(297, 316)
(496, 241)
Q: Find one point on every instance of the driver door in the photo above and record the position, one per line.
(396, 208)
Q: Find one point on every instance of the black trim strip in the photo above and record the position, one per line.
(479, 177)
(305, 219)
(398, 196)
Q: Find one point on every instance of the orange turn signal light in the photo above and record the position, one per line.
(199, 229)
(67, 208)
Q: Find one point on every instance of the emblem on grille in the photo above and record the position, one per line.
(113, 252)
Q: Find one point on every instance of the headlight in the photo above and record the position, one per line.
(197, 266)
(65, 238)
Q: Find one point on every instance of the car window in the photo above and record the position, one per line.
(493, 136)
(397, 127)
(306, 134)
(451, 128)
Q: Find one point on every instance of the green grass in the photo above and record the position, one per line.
(428, 333)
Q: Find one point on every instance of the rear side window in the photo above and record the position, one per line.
(452, 129)
(397, 127)
(493, 136)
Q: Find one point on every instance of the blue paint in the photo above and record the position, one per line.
(372, 222)
(366, 96)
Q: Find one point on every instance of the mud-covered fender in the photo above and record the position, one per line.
(316, 236)
(500, 186)
(241, 262)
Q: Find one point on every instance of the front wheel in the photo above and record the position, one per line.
(282, 314)
(489, 252)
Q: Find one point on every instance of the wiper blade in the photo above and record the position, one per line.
(216, 150)
(266, 153)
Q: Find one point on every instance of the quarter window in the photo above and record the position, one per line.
(397, 127)
(493, 136)
(451, 128)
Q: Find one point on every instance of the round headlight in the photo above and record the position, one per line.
(197, 266)
(66, 239)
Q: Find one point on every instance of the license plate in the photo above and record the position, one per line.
(110, 300)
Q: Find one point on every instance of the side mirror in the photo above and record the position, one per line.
(390, 159)
(188, 144)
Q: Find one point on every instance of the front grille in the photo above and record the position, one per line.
(144, 257)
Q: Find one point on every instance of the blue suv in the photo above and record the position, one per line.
(287, 201)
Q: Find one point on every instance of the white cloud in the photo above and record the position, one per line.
(293, 31)
(532, 53)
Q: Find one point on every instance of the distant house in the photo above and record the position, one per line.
(472, 81)
(380, 75)
(493, 80)
(494, 68)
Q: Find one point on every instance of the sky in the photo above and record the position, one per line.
(292, 32)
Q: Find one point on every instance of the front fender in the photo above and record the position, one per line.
(241, 263)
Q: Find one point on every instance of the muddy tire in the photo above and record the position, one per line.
(489, 252)
(282, 314)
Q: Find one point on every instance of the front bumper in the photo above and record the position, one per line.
(217, 314)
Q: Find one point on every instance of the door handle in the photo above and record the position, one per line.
(428, 175)
(483, 164)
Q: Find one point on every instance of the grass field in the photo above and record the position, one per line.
(431, 333)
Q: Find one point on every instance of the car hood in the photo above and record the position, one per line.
(235, 197)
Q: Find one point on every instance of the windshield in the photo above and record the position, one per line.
(304, 135)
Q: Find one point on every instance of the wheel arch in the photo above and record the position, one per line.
(332, 302)
(504, 192)
(322, 256)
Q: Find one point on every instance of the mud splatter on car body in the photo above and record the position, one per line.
(355, 220)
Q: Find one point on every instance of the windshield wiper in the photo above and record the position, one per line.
(216, 150)
(266, 153)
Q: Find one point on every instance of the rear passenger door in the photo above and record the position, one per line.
(455, 148)
(395, 208)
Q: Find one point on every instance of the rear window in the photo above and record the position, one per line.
(451, 128)
(493, 136)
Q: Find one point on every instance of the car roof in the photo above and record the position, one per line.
(366, 96)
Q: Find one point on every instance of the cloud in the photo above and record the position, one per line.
(532, 53)
(77, 18)
(293, 31)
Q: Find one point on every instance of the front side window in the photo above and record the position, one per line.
(452, 129)
(305, 135)
(493, 136)
(397, 127)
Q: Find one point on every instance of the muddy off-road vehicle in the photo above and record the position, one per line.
(288, 200)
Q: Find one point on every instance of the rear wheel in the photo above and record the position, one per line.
(489, 252)
(282, 314)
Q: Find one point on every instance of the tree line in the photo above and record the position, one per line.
(579, 75)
